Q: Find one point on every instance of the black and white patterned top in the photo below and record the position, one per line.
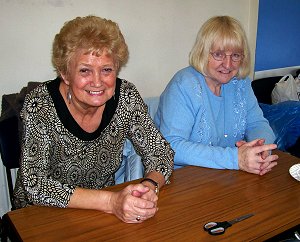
(58, 156)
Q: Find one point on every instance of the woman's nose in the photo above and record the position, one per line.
(97, 80)
(227, 62)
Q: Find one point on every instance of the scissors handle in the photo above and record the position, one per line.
(209, 225)
(216, 228)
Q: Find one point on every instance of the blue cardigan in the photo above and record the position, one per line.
(203, 128)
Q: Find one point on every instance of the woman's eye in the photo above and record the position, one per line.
(219, 54)
(84, 70)
(107, 69)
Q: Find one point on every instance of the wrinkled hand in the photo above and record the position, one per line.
(264, 154)
(132, 202)
(150, 195)
(254, 156)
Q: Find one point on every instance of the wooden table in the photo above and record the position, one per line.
(195, 196)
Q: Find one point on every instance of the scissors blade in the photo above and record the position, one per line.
(241, 218)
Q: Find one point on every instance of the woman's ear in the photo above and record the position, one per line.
(65, 79)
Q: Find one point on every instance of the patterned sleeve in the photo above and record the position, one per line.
(39, 187)
(155, 151)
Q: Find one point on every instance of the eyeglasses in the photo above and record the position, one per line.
(220, 56)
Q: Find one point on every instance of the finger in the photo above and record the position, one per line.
(140, 218)
(261, 142)
(137, 187)
(264, 165)
(269, 158)
(268, 169)
(253, 142)
(258, 142)
(240, 143)
(144, 203)
(134, 219)
(271, 165)
(263, 172)
(262, 148)
(150, 197)
(136, 193)
(137, 215)
(265, 154)
(141, 194)
(143, 214)
(133, 209)
(254, 171)
(267, 165)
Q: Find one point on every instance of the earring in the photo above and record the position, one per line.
(69, 96)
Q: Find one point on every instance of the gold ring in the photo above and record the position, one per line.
(138, 218)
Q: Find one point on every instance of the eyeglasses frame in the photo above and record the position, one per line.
(241, 55)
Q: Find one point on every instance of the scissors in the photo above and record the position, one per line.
(217, 228)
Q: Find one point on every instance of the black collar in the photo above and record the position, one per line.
(67, 119)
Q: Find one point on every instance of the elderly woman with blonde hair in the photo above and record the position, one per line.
(208, 111)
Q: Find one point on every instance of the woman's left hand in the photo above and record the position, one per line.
(132, 205)
(150, 195)
(266, 163)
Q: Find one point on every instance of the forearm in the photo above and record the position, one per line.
(91, 199)
(126, 204)
(197, 154)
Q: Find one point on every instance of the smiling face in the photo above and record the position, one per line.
(226, 34)
(220, 72)
(91, 79)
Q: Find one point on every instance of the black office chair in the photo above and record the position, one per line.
(10, 150)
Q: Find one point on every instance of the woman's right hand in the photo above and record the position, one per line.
(255, 157)
(129, 206)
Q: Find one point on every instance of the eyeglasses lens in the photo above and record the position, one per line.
(220, 56)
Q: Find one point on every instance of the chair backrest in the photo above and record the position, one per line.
(263, 88)
(10, 149)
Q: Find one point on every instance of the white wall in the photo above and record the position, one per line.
(159, 33)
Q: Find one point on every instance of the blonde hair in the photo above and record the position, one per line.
(91, 34)
(226, 33)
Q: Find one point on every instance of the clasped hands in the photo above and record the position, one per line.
(135, 203)
(255, 156)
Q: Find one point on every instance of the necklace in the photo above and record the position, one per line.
(221, 117)
(224, 110)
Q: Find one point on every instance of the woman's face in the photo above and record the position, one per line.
(91, 79)
(223, 70)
